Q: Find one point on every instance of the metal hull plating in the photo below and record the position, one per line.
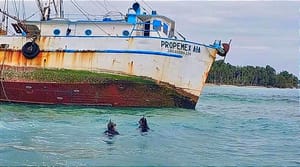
(95, 57)
(116, 94)
(176, 63)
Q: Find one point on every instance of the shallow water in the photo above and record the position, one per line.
(231, 126)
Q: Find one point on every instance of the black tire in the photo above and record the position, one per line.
(30, 50)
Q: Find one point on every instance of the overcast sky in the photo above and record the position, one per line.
(262, 32)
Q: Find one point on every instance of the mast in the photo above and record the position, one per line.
(44, 9)
(4, 19)
(55, 8)
(60, 9)
(40, 6)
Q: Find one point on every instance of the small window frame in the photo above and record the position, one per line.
(165, 28)
(125, 33)
(88, 32)
(157, 25)
(56, 32)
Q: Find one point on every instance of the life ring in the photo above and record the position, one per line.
(30, 50)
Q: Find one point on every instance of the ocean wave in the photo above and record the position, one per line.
(3, 125)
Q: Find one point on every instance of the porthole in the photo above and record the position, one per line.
(125, 33)
(56, 32)
(88, 32)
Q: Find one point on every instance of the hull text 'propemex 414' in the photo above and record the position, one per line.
(135, 60)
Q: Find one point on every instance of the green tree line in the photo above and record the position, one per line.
(225, 73)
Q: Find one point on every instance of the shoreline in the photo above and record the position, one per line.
(211, 84)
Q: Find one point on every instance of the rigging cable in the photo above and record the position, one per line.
(108, 11)
(147, 6)
(31, 15)
(6, 21)
(23, 8)
(103, 6)
(3, 16)
(111, 11)
(86, 15)
(114, 7)
(39, 4)
(80, 9)
(17, 13)
(55, 7)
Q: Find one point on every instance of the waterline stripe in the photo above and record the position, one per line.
(144, 52)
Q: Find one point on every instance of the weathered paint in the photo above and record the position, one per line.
(181, 72)
(118, 94)
(2, 32)
(177, 66)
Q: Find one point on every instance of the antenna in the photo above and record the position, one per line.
(147, 5)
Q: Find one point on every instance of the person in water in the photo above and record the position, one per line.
(111, 129)
(143, 125)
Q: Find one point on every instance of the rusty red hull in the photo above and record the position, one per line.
(116, 94)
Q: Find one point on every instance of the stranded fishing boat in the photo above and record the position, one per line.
(136, 61)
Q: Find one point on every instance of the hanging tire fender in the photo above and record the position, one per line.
(30, 50)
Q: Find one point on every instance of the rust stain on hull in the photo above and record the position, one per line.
(106, 94)
(130, 67)
(120, 93)
(2, 32)
(57, 59)
(16, 58)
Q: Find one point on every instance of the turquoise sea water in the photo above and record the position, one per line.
(232, 126)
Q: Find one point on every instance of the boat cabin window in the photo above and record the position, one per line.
(165, 28)
(125, 33)
(147, 29)
(88, 32)
(56, 32)
(154, 26)
(157, 25)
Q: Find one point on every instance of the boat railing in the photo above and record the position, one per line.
(91, 17)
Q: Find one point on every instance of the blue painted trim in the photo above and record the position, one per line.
(144, 52)
(159, 38)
